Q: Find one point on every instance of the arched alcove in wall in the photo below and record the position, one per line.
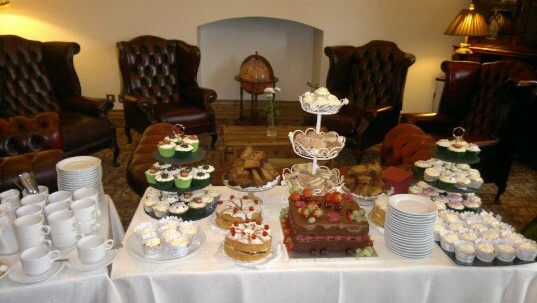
(293, 49)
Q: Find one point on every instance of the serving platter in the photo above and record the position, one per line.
(135, 249)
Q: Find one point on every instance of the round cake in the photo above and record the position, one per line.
(248, 241)
(237, 209)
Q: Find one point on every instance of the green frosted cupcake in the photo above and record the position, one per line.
(472, 151)
(183, 151)
(183, 179)
(196, 208)
(164, 181)
(201, 179)
(178, 209)
(442, 146)
(166, 149)
(420, 166)
(151, 175)
(446, 183)
(456, 152)
(192, 140)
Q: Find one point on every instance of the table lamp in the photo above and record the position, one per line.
(468, 23)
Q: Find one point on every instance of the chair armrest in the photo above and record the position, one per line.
(201, 96)
(98, 107)
(378, 112)
(144, 104)
(435, 123)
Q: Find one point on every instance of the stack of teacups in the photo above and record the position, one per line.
(10, 199)
(86, 212)
(30, 230)
(64, 230)
(79, 172)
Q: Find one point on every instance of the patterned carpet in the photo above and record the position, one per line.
(518, 207)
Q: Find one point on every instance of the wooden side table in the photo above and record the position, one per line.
(255, 88)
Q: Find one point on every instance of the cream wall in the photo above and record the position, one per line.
(415, 25)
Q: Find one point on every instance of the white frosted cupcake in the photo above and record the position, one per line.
(166, 232)
(437, 229)
(526, 250)
(506, 251)
(206, 168)
(464, 251)
(431, 174)
(463, 166)
(490, 235)
(144, 228)
(472, 151)
(514, 238)
(148, 204)
(420, 166)
(178, 209)
(178, 246)
(161, 209)
(485, 251)
(475, 182)
(152, 246)
(415, 190)
(446, 182)
(188, 229)
(462, 182)
(171, 221)
(183, 151)
(468, 236)
(442, 146)
(448, 239)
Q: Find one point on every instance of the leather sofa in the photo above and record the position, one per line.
(39, 76)
(30, 145)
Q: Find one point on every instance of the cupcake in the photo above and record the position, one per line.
(148, 204)
(456, 227)
(462, 182)
(463, 166)
(151, 174)
(472, 151)
(206, 168)
(143, 229)
(475, 182)
(170, 222)
(514, 238)
(456, 152)
(420, 166)
(201, 179)
(446, 182)
(161, 209)
(468, 236)
(173, 138)
(208, 200)
(183, 151)
(490, 235)
(152, 246)
(186, 197)
(166, 149)
(183, 179)
(415, 190)
(161, 165)
(178, 209)
(440, 199)
(472, 204)
(485, 251)
(527, 250)
(196, 208)
(188, 229)
(506, 252)
(164, 181)
(447, 240)
(442, 146)
(437, 229)
(193, 141)
(167, 232)
(464, 251)
(178, 246)
(431, 174)
(440, 206)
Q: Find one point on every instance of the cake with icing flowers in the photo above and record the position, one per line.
(237, 209)
(320, 224)
(248, 241)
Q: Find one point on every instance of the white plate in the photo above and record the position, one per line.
(134, 247)
(75, 263)
(413, 204)
(267, 262)
(265, 187)
(17, 274)
(80, 163)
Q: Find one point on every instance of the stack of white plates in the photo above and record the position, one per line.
(408, 229)
(79, 172)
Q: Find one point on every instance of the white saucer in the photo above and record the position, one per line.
(16, 273)
(267, 262)
(75, 263)
(3, 274)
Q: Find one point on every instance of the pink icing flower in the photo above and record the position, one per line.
(333, 217)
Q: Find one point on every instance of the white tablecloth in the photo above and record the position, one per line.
(70, 285)
(208, 277)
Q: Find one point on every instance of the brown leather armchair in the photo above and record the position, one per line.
(30, 144)
(160, 85)
(39, 76)
(373, 78)
(491, 102)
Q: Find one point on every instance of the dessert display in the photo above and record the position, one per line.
(378, 213)
(189, 205)
(248, 241)
(447, 200)
(237, 209)
(365, 180)
(310, 143)
(482, 239)
(321, 101)
(321, 224)
(449, 176)
(172, 177)
(302, 176)
(251, 170)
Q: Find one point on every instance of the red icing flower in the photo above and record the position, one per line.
(333, 217)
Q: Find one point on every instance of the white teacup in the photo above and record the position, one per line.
(54, 207)
(43, 191)
(31, 226)
(34, 199)
(85, 209)
(65, 240)
(8, 208)
(40, 240)
(38, 260)
(60, 196)
(92, 249)
(62, 222)
(29, 209)
(10, 195)
(86, 192)
(87, 227)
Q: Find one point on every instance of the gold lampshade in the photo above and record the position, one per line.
(4, 3)
(468, 23)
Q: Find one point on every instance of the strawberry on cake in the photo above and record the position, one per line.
(248, 241)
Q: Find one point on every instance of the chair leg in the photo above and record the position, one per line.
(115, 147)
(128, 133)
(214, 137)
(501, 189)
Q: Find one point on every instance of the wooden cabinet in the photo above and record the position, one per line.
(513, 26)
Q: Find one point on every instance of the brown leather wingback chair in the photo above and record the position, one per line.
(160, 85)
(30, 145)
(491, 101)
(39, 76)
(373, 78)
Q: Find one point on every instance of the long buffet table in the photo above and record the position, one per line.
(70, 285)
(207, 276)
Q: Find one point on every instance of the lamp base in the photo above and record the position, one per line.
(464, 49)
